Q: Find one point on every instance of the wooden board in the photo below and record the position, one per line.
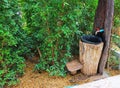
(74, 65)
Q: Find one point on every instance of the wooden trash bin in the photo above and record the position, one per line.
(89, 56)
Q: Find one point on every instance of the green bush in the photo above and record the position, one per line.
(116, 13)
(116, 24)
(52, 26)
(11, 60)
(113, 61)
(55, 27)
(116, 39)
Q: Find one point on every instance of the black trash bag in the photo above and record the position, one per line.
(91, 39)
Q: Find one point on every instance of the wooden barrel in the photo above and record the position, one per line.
(89, 57)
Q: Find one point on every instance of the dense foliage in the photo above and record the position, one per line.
(113, 61)
(11, 62)
(116, 14)
(116, 29)
(55, 26)
(48, 28)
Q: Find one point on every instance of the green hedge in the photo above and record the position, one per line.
(55, 27)
(11, 61)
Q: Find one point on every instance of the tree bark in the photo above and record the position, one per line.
(103, 19)
(89, 57)
(100, 14)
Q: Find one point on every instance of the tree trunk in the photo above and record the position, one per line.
(100, 14)
(103, 19)
(89, 57)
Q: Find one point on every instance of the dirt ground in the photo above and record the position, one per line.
(43, 80)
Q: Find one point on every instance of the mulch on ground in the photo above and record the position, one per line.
(33, 79)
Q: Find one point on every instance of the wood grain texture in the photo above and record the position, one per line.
(74, 65)
(89, 57)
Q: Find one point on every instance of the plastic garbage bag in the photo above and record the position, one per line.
(91, 39)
